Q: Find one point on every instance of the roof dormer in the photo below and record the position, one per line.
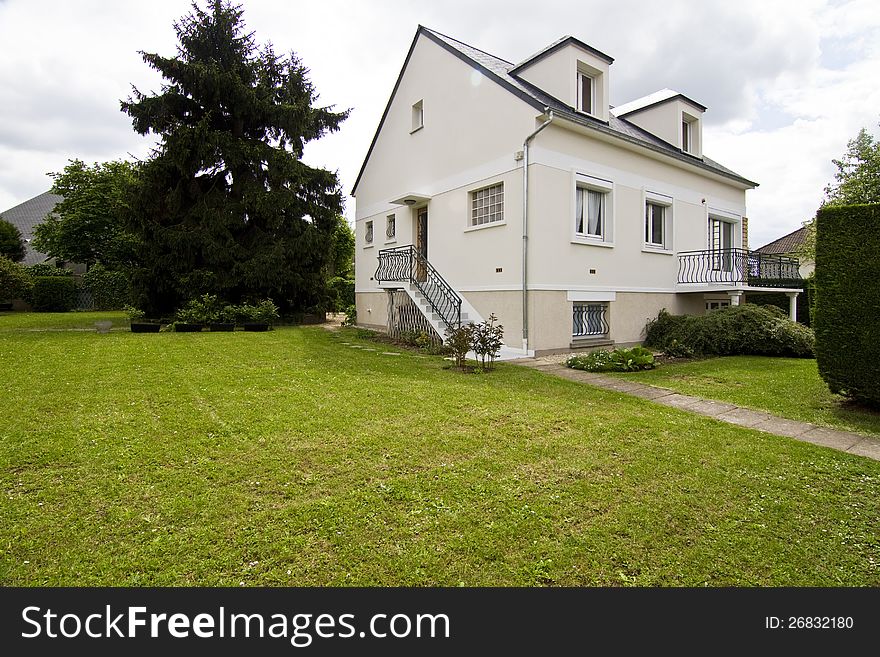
(572, 72)
(669, 115)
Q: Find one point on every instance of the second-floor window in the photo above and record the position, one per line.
(590, 212)
(686, 136)
(586, 97)
(390, 227)
(368, 232)
(655, 224)
(487, 205)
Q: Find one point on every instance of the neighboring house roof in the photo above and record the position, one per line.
(656, 98)
(500, 71)
(787, 243)
(27, 216)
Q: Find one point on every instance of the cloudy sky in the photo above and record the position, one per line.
(787, 83)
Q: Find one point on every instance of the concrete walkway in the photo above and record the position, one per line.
(844, 441)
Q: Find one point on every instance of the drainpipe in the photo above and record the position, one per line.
(525, 230)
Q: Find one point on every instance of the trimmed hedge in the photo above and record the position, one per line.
(110, 290)
(14, 280)
(53, 294)
(736, 330)
(847, 319)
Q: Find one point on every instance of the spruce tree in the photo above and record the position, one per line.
(225, 205)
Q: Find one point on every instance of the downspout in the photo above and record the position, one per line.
(525, 230)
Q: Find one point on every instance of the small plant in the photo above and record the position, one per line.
(676, 349)
(459, 341)
(265, 312)
(134, 314)
(350, 316)
(486, 341)
(228, 314)
(201, 310)
(619, 360)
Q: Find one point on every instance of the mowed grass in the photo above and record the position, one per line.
(291, 458)
(789, 387)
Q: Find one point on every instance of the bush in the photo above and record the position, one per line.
(341, 293)
(619, 360)
(110, 290)
(201, 310)
(847, 298)
(736, 330)
(780, 300)
(459, 342)
(53, 294)
(351, 316)
(45, 269)
(15, 283)
(486, 341)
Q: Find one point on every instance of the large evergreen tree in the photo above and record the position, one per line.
(225, 205)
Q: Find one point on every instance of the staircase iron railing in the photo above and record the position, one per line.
(406, 264)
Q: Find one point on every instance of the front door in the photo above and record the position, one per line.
(421, 242)
(721, 244)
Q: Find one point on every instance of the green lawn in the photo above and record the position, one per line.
(291, 458)
(789, 387)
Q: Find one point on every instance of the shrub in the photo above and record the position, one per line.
(350, 316)
(847, 298)
(15, 283)
(619, 360)
(45, 269)
(110, 290)
(341, 293)
(486, 341)
(53, 294)
(745, 329)
(675, 349)
(201, 310)
(11, 243)
(459, 342)
(134, 314)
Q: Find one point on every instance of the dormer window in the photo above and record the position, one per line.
(690, 134)
(586, 97)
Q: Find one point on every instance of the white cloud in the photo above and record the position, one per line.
(787, 83)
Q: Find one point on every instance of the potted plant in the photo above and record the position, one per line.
(260, 316)
(224, 319)
(196, 314)
(138, 323)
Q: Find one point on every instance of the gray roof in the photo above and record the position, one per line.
(500, 71)
(787, 243)
(27, 216)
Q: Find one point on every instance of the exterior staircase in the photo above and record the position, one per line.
(440, 304)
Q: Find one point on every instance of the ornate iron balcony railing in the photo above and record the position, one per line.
(406, 264)
(738, 267)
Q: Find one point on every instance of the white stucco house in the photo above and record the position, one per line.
(516, 189)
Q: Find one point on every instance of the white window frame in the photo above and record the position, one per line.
(687, 143)
(368, 233)
(390, 228)
(583, 78)
(478, 202)
(418, 116)
(716, 304)
(583, 182)
(668, 204)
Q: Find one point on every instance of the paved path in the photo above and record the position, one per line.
(845, 441)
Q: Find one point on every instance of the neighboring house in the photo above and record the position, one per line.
(624, 214)
(789, 245)
(26, 217)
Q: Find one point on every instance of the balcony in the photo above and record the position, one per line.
(738, 268)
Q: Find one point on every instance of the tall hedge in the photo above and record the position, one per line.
(847, 319)
(53, 294)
